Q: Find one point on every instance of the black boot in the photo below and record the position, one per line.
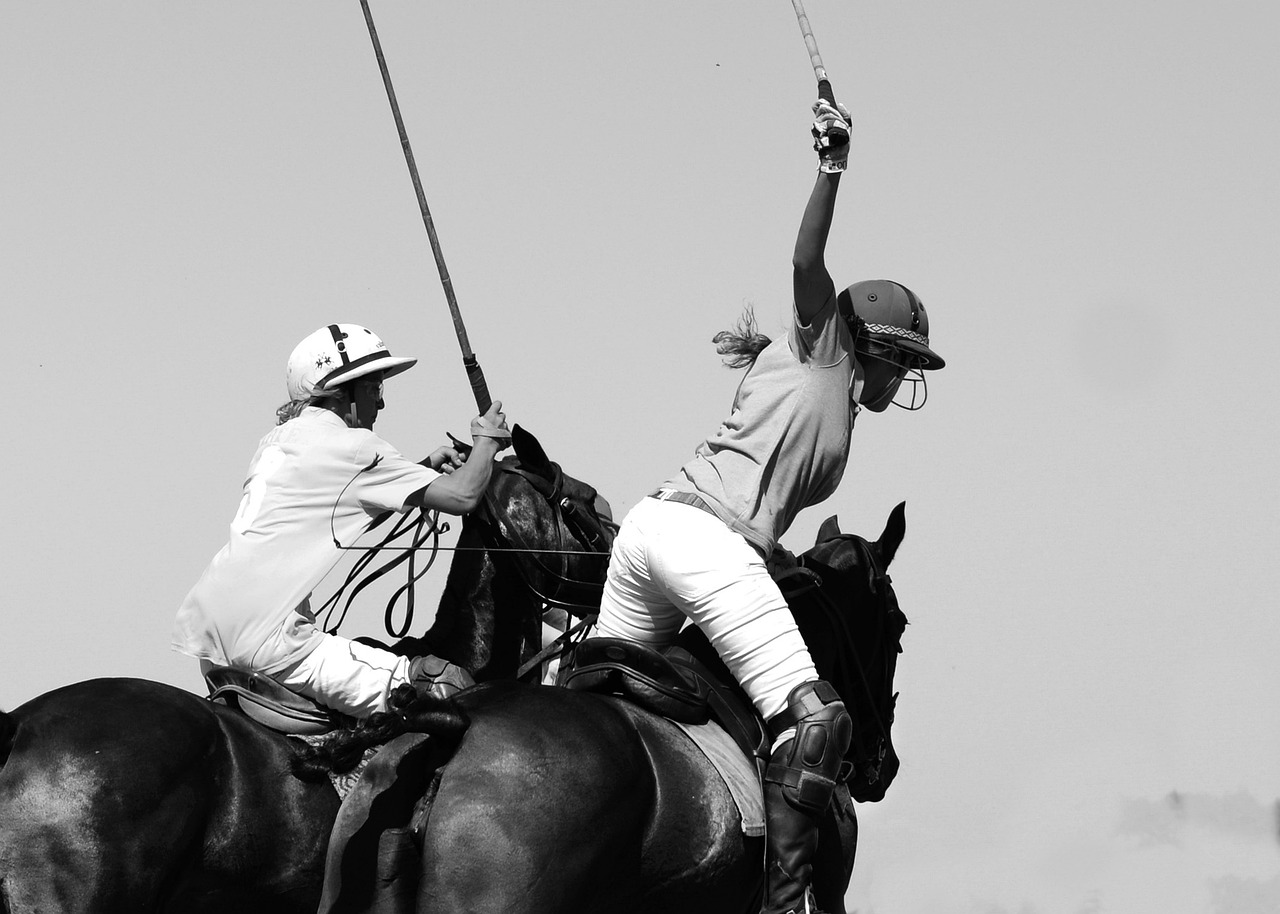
(798, 785)
(433, 676)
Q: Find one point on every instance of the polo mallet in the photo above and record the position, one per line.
(474, 374)
(838, 136)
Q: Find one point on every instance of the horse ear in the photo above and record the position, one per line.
(459, 445)
(894, 530)
(530, 452)
(829, 530)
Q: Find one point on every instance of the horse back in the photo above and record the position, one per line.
(90, 782)
(120, 794)
(560, 800)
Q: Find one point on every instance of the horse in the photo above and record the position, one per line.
(540, 799)
(130, 795)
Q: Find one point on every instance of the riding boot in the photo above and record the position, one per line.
(799, 782)
(431, 675)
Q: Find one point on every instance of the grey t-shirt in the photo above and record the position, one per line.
(785, 444)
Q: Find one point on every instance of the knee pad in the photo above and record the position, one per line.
(805, 767)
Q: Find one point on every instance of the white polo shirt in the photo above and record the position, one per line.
(313, 480)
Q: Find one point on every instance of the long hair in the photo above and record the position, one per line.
(740, 346)
(293, 409)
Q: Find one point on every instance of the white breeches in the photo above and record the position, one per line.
(347, 676)
(671, 561)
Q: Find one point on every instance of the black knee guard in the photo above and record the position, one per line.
(805, 767)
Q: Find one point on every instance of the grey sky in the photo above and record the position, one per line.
(1085, 195)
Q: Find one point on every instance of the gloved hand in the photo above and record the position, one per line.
(493, 424)
(831, 127)
(433, 676)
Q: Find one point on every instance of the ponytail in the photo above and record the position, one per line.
(291, 410)
(740, 346)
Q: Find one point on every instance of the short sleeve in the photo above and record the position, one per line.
(825, 341)
(389, 477)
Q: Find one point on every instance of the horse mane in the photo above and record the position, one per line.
(409, 712)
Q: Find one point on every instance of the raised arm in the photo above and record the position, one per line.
(811, 282)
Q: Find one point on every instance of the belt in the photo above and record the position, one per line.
(684, 498)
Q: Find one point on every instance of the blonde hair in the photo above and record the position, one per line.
(740, 346)
(291, 410)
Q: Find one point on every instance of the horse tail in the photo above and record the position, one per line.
(441, 718)
(8, 730)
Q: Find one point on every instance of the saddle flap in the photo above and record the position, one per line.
(267, 702)
(640, 673)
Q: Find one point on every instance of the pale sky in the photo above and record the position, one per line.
(1085, 195)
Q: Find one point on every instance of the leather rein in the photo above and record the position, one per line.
(593, 534)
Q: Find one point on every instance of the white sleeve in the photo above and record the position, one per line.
(389, 477)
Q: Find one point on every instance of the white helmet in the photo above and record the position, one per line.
(336, 354)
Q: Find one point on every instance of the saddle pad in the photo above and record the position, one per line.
(343, 784)
(737, 772)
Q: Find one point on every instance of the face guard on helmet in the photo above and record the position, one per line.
(890, 326)
(335, 355)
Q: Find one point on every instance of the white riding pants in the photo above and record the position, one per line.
(671, 561)
(347, 676)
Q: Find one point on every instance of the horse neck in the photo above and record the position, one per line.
(484, 614)
(843, 655)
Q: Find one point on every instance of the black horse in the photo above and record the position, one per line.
(558, 800)
(128, 795)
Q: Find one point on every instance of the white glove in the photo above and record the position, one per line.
(831, 127)
(493, 424)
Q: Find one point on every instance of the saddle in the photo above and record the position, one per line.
(673, 683)
(687, 682)
(264, 700)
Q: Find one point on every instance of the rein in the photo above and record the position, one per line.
(591, 531)
(578, 597)
(426, 525)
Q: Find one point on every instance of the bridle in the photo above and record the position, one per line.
(581, 598)
(871, 741)
(592, 535)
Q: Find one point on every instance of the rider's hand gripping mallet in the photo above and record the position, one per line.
(474, 374)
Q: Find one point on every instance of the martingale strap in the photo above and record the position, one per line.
(559, 647)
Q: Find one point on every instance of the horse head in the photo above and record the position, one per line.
(853, 626)
(547, 536)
